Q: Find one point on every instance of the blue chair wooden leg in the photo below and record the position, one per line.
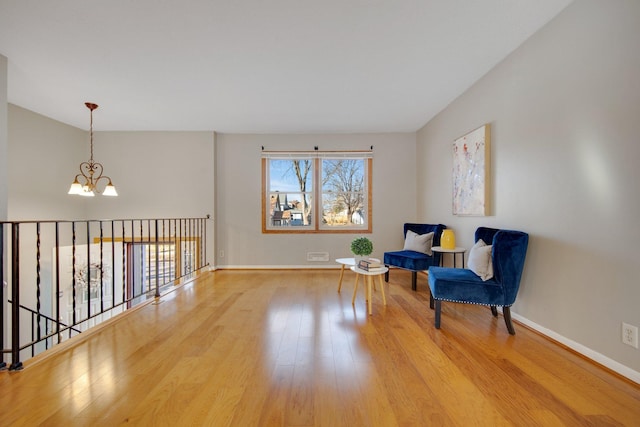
(506, 312)
(438, 310)
(430, 300)
(494, 311)
(414, 280)
(386, 275)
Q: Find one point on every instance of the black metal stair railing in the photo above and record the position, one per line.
(60, 278)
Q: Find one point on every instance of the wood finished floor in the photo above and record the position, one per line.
(272, 348)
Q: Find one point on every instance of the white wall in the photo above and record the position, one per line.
(157, 174)
(43, 158)
(238, 191)
(4, 176)
(565, 115)
(4, 162)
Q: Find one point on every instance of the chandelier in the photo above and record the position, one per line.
(86, 182)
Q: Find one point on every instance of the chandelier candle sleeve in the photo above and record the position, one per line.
(86, 182)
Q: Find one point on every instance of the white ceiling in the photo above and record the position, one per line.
(256, 66)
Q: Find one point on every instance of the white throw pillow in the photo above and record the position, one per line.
(418, 242)
(480, 261)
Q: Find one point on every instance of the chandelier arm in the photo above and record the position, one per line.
(101, 177)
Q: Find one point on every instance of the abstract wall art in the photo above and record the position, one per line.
(471, 179)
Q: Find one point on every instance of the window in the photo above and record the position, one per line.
(316, 192)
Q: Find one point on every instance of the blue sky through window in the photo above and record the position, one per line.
(282, 177)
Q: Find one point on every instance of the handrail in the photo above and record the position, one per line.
(48, 334)
(70, 275)
(45, 317)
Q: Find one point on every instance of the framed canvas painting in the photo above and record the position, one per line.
(471, 173)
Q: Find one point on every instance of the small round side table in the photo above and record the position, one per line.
(455, 251)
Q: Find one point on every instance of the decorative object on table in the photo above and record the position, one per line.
(361, 247)
(471, 178)
(370, 265)
(91, 172)
(416, 260)
(448, 239)
(493, 278)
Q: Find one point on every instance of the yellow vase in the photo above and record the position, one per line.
(448, 239)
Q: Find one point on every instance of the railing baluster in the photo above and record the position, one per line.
(133, 262)
(193, 245)
(124, 269)
(143, 289)
(33, 333)
(173, 255)
(113, 263)
(203, 237)
(180, 249)
(88, 282)
(164, 253)
(38, 281)
(197, 242)
(157, 295)
(57, 297)
(73, 274)
(101, 268)
(148, 246)
(2, 362)
(16, 364)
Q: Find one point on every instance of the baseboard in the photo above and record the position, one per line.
(277, 267)
(599, 358)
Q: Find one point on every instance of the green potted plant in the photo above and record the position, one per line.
(361, 248)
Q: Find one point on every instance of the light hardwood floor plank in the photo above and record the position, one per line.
(284, 348)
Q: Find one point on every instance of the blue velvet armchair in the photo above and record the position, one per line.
(508, 253)
(412, 260)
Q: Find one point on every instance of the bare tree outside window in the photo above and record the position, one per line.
(302, 169)
(343, 191)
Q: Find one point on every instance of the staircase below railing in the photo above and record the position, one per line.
(64, 277)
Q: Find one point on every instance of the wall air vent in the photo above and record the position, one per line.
(318, 256)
